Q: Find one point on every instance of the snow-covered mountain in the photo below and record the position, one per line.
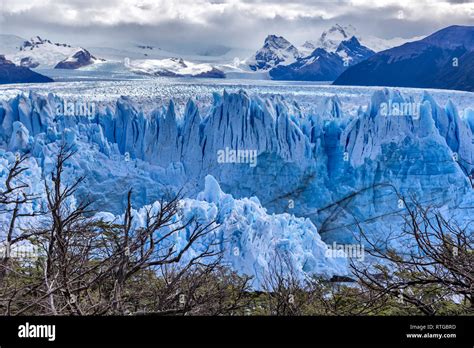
(276, 50)
(444, 59)
(323, 60)
(43, 53)
(173, 67)
(352, 52)
(322, 64)
(330, 40)
(78, 60)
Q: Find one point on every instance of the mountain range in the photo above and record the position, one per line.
(332, 37)
(323, 65)
(321, 60)
(173, 67)
(140, 58)
(43, 53)
(444, 60)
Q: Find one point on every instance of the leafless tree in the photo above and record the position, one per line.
(93, 267)
(15, 199)
(198, 289)
(432, 264)
(150, 247)
(285, 293)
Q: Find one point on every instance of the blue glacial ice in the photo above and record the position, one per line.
(318, 172)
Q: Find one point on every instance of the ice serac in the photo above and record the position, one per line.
(365, 137)
(241, 122)
(20, 137)
(408, 156)
(191, 138)
(236, 121)
(250, 239)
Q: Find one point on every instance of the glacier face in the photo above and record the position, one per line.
(317, 173)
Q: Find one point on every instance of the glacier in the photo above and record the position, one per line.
(320, 172)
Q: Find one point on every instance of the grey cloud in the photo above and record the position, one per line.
(232, 26)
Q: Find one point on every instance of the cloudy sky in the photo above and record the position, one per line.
(180, 24)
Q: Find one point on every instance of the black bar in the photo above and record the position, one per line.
(289, 331)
